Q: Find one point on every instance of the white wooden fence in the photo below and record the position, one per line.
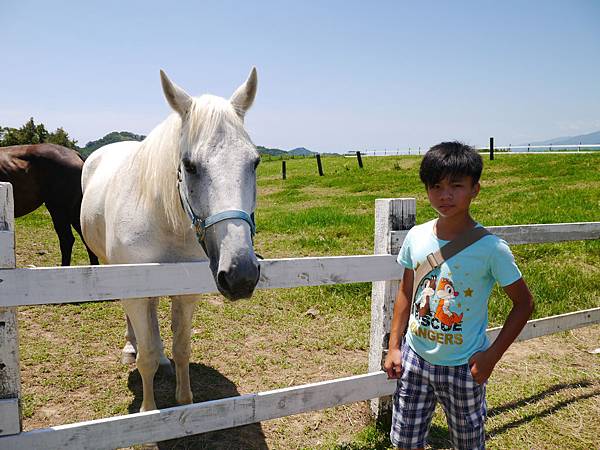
(549, 149)
(38, 286)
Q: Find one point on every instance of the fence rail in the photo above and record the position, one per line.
(516, 149)
(180, 421)
(39, 286)
(529, 234)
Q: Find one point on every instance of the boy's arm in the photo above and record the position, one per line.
(393, 360)
(482, 363)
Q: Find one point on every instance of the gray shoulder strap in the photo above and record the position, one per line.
(452, 248)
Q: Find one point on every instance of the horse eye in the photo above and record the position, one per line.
(190, 167)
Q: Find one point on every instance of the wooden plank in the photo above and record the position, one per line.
(197, 418)
(45, 285)
(7, 243)
(554, 324)
(38, 286)
(555, 232)
(10, 422)
(10, 372)
(397, 239)
(390, 215)
(531, 234)
(298, 272)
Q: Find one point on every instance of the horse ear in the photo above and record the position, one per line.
(179, 100)
(243, 97)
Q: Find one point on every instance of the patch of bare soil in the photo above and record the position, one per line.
(264, 191)
(528, 361)
(569, 346)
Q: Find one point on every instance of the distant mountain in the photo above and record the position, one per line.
(590, 138)
(301, 151)
(115, 136)
(270, 151)
(118, 136)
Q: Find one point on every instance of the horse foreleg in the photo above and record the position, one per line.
(182, 311)
(129, 351)
(139, 312)
(62, 226)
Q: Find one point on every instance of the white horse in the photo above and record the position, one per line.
(139, 198)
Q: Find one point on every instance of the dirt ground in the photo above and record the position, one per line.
(545, 379)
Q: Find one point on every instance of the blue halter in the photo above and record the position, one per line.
(200, 225)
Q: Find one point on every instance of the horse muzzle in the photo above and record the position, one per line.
(239, 279)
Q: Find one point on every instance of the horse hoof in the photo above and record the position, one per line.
(128, 353)
(128, 358)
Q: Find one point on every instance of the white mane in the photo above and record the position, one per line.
(157, 159)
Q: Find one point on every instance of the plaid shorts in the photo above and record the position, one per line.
(420, 386)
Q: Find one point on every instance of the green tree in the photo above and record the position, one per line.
(61, 137)
(30, 133)
(10, 136)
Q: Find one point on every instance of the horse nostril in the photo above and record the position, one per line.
(234, 285)
(222, 279)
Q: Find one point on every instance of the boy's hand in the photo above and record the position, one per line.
(481, 365)
(393, 363)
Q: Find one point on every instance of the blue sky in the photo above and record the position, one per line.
(333, 75)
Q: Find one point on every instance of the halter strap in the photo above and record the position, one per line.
(200, 226)
(228, 214)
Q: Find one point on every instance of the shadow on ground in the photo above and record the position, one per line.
(439, 437)
(207, 384)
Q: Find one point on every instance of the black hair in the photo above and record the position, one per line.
(450, 159)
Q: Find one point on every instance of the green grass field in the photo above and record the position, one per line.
(70, 354)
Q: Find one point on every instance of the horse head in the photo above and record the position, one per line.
(217, 181)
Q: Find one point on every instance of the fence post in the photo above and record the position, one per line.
(358, 157)
(283, 169)
(10, 376)
(491, 149)
(391, 214)
(319, 166)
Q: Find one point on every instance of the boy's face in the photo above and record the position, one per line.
(452, 197)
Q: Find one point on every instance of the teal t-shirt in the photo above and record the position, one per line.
(449, 314)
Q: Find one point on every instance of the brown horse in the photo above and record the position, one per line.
(49, 174)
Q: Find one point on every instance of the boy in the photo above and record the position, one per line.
(445, 355)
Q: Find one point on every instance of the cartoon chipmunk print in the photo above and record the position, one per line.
(426, 294)
(446, 294)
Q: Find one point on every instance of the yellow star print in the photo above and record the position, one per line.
(468, 292)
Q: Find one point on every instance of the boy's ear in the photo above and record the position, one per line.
(476, 188)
